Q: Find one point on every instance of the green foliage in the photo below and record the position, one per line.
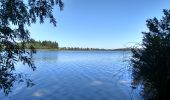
(19, 13)
(42, 44)
(151, 64)
(78, 48)
(84, 49)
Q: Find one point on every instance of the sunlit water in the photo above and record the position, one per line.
(76, 75)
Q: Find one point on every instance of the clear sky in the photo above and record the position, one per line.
(100, 23)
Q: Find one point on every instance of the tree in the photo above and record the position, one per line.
(42, 44)
(151, 63)
(19, 13)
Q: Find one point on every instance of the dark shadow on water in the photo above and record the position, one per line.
(11, 78)
(8, 80)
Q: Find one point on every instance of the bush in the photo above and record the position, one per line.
(151, 63)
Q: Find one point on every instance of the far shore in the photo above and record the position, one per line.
(124, 49)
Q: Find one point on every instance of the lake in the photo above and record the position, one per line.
(76, 75)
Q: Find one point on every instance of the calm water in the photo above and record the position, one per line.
(76, 75)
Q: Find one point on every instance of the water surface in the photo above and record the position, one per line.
(76, 75)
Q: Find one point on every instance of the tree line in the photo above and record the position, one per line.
(83, 49)
(42, 44)
(54, 45)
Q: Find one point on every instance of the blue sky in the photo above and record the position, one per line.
(100, 23)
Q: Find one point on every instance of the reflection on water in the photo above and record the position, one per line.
(75, 75)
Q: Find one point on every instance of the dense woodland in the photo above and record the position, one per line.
(83, 49)
(54, 45)
(42, 44)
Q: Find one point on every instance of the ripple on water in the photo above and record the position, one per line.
(71, 75)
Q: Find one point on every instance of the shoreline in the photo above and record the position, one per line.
(79, 50)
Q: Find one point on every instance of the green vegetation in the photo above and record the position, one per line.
(42, 44)
(55, 46)
(93, 49)
(82, 49)
(20, 13)
(151, 65)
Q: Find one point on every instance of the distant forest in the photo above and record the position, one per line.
(42, 44)
(54, 45)
(78, 48)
